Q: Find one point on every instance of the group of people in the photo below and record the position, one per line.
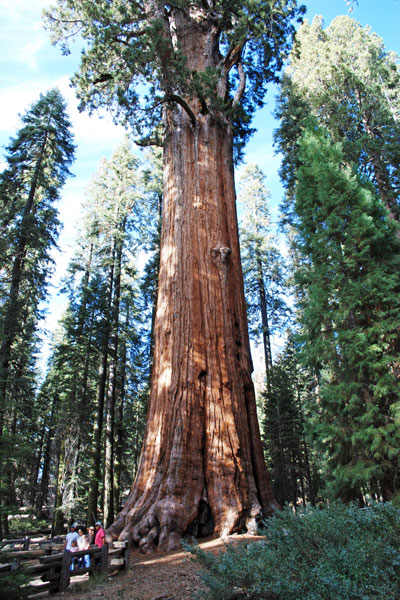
(77, 540)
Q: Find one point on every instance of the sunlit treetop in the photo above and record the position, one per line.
(137, 56)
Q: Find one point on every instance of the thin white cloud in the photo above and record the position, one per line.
(15, 10)
(28, 53)
(90, 131)
(22, 32)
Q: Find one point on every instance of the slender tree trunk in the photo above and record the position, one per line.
(11, 315)
(264, 321)
(78, 394)
(34, 492)
(44, 482)
(202, 440)
(58, 521)
(119, 429)
(301, 478)
(112, 380)
(95, 459)
(95, 462)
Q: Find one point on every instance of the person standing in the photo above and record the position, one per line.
(74, 548)
(100, 535)
(83, 544)
(91, 535)
(72, 535)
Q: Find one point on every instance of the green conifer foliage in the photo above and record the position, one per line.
(38, 161)
(133, 64)
(98, 369)
(263, 265)
(344, 76)
(350, 313)
(289, 412)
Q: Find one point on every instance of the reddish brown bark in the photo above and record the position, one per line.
(202, 449)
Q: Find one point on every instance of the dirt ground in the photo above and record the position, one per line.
(161, 576)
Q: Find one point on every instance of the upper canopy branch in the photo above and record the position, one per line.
(233, 56)
(185, 106)
(242, 84)
(129, 35)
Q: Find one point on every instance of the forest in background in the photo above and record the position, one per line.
(329, 409)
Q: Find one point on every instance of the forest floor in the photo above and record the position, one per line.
(160, 576)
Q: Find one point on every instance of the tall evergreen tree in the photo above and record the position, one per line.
(38, 161)
(350, 312)
(99, 330)
(290, 410)
(347, 80)
(263, 265)
(206, 66)
(37, 166)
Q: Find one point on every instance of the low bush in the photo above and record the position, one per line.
(14, 585)
(338, 553)
(25, 524)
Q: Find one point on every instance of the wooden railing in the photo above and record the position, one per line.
(16, 543)
(53, 572)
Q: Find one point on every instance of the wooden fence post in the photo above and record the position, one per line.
(126, 555)
(26, 543)
(104, 559)
(65, 572)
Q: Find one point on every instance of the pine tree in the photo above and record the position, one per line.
(290, 410)
(263, 266)
(347, 80)
(100, 329)
(350, 313)
(38, 160)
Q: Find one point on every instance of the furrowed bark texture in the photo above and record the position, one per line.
(202, 469)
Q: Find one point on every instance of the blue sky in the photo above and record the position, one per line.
(29, 65)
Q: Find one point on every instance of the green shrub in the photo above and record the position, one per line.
(338, 553)
(14, 585)
(25, 524)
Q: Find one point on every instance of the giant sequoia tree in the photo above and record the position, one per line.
(202, 66)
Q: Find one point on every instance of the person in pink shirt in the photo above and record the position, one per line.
(100, 535)
(74, 548)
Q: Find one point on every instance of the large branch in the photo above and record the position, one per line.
(185, 106)
(233, 56)
(242, 84)
(129, 35)
(149, 141)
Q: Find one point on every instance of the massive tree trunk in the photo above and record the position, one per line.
(202, 468)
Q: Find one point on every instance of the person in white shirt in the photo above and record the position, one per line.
(72, 535)
(83, 544)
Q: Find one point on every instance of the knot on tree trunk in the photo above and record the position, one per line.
(220, 253)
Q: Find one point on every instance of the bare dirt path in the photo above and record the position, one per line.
(161, 576)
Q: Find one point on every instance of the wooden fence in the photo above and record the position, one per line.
(53, 572)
